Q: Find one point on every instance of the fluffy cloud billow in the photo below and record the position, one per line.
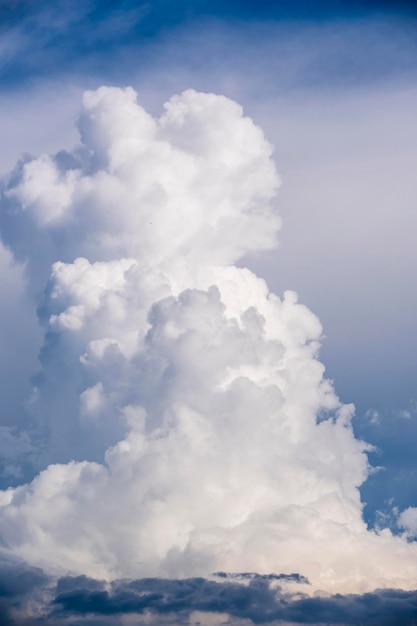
(186, 425)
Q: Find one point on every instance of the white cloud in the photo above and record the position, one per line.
(225, 448)
(408, 521)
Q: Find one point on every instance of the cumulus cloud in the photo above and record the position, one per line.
(187, 424)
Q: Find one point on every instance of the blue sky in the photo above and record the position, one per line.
(334, 87)
(43, 40)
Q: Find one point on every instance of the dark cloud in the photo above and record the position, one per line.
(20, 585)
(163, 596)
(259, 601)
(251, 575)
(27, 597)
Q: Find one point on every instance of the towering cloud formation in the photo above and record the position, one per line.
(186, 424)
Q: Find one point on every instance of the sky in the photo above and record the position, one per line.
(208, 348)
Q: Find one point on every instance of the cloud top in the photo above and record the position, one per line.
(192, 187)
